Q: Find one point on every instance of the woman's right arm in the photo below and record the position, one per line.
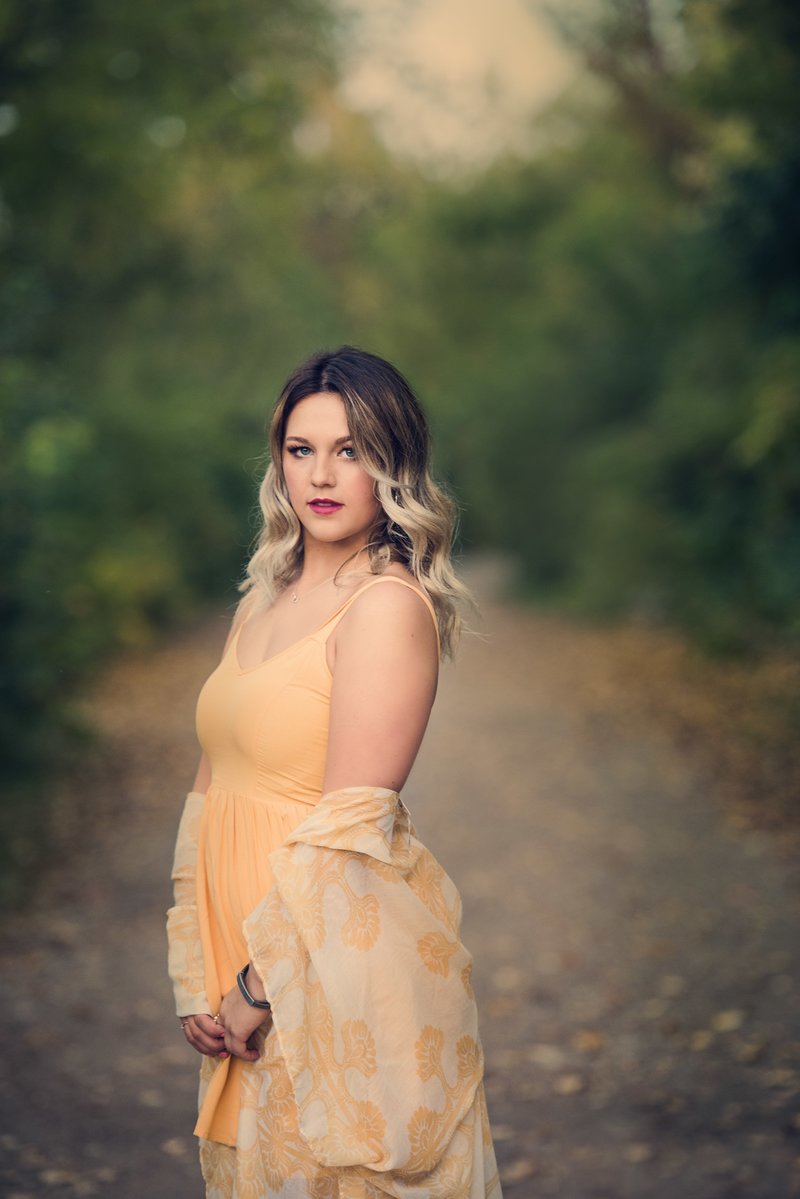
(185, 958)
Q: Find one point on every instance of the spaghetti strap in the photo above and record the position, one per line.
(329, 625)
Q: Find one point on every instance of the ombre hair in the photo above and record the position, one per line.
(417, 519)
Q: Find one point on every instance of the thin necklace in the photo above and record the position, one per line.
(296, 597)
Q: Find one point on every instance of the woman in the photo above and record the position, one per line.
(314, 942)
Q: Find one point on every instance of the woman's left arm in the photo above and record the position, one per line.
(384, 682)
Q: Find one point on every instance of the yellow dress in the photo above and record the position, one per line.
(279, 1128)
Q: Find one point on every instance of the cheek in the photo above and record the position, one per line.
(291, 468)
(290, 475)
(366, 491)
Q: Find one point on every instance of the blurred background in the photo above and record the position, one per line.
(574, 227)
(575, 230)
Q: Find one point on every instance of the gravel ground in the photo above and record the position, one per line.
(637, 956)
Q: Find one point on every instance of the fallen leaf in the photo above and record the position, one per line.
(588, 1040)
(569, 1084)
(782, 1078)
(174, 1147)
(508, 978)
(549, 1057)
(523, 1167)
(748, 1052)
(728, 1021)
(638, 1152)
(106, 1174)
(53, 1177)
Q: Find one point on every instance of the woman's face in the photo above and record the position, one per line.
(332, 495)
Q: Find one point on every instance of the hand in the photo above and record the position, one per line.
(240, 1021)
(204, 1035)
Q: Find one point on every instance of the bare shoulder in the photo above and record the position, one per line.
(396, 601)
(396, 612)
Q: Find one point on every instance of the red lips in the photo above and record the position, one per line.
(321, 507)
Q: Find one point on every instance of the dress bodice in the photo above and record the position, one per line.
(265, 729)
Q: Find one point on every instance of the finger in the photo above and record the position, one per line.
(248, 1055)
(256, 1040)
(211, 1046)
(201, 1023)
(211, 1038)
(240, 1049)
(211, 1051)
(210, 1026)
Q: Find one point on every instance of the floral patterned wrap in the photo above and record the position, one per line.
(358, 947)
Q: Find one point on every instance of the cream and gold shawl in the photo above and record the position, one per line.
(358, 947)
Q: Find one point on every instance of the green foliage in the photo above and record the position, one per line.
(153, 263)
(618, 327)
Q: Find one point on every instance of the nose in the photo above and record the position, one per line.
(322, 474)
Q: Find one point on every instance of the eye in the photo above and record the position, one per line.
(298, 451)
(349, 451)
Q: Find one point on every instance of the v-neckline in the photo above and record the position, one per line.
(266, 661)
(294, 644)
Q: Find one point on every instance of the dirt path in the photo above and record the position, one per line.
(637, 957)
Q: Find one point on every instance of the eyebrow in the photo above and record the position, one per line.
(305, 441)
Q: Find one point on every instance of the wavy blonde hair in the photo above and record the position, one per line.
(390, 434)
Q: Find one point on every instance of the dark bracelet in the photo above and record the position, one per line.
(240, 978)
